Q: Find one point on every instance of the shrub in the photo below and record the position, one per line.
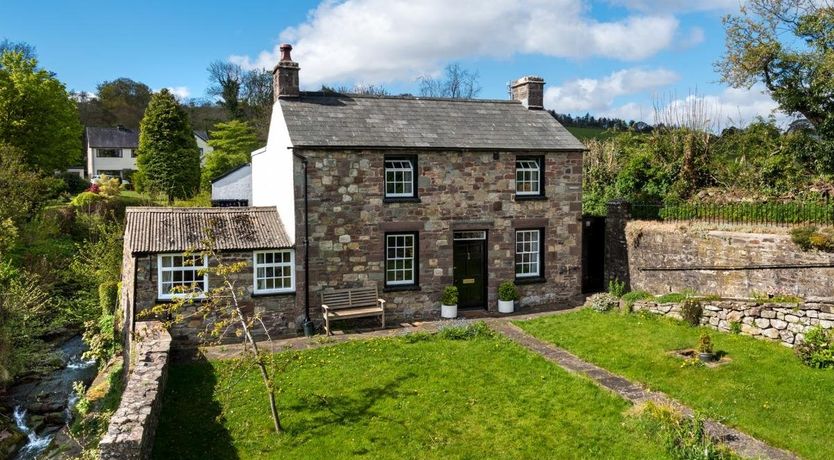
(817, 349)
(691, 312)
(450, 295)
(602, 302)
(507, 291)
(466, 331)
(683, 437)
(616, 287)
(75, 183)
(108, 297)
(109, 186)
(704, 343)
(87, 199)
(735, 327)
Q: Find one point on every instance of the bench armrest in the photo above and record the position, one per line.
(381, 302)
(325, 307)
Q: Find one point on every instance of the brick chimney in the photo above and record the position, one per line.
(285, 75)
(530, 91)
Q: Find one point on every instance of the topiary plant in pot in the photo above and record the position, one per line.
(507, 295)
(705, 352)
(449, 302)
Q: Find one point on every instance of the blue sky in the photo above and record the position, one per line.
(612, 57)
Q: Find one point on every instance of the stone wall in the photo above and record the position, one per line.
(279, 312)
(132, 427)
(457, 191)
(782, 322)
(731, 262)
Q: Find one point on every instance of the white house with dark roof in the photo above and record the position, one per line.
(112, 151)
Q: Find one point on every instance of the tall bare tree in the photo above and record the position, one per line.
(226, 83)
(456, 83)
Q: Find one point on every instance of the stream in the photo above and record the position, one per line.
(42, 407)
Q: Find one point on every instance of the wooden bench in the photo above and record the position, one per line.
(351, 303)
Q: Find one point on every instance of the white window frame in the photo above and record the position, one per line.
(177, 295)
(118, 151)
(256, 266)
(533, 168)
(391, 260)
(403, 166)
(530, 255)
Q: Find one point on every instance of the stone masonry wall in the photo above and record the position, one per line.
(279, 312)
(456, 191)
(132, 427)
(783, 322)
(731, 262)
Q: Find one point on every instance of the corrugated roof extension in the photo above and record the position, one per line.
(332, 120)
(159, 230)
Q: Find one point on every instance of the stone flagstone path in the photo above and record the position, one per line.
(743, 444)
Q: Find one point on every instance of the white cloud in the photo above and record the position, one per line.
(598, 95)
(679, 6)
(181, 92)
(694, 37)
(375, 41)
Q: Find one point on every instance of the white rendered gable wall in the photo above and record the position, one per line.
(272, 172)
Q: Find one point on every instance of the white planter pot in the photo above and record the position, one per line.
(506, 306)
(448, 311)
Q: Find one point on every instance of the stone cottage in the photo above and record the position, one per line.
(412, 194)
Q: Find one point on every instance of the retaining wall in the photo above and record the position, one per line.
(133, 425)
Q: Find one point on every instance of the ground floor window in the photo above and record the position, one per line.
(400, 259)
(274, 271)
(528, 253)
(117, 173)
(179, 275)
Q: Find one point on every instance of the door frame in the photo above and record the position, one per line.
(484, 263)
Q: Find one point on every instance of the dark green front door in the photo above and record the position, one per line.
(470, 273)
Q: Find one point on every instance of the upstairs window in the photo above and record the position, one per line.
(274, 271)
(528, 253)
(399, 177)
(528, 177)
(108, 153)
(179, 275)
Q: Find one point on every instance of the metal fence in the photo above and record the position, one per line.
(783, 214)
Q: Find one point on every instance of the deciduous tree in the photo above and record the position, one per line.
(169, 159)
(456, 83)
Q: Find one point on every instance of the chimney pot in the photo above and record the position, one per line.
(285, 75)
(530, 91)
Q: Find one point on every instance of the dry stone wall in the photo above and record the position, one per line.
(783, 322)
(132, 427)
(731, 262)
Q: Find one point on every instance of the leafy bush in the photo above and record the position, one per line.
(450, 295)
(735, 327)
(817, 349)
(691, 311)
(810, 237)
(109, 186)
(507, 291)
(704, 343)
(466, 331)
(75, 183)
(101, 338)
(108, 297)
(616, 288)
(602, 302)
(87, 200)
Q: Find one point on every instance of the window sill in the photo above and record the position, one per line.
(273, 294)
(531, 280)
(530, 198)
(407, 287)
(401, 199)
(177, 299)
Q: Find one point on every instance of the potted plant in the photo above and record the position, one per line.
(507, 295)
(705, 352)
(449, 302)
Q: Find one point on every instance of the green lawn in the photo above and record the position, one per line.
(429, 397)
(765, 390)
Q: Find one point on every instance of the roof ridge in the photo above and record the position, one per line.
(162, 209)
(403, 97)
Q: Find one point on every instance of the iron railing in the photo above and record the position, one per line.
(783, 214)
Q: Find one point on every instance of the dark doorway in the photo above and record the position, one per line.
(470, 268)
(593, 254)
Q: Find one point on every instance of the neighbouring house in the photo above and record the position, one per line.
(112, 151)
(202, 138)
(234, 188)
(410, 195)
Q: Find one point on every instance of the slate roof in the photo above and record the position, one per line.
(159, 230)
(112, 138)
(202, 134)
(331, 120)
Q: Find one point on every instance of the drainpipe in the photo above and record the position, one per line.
(308, 323)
